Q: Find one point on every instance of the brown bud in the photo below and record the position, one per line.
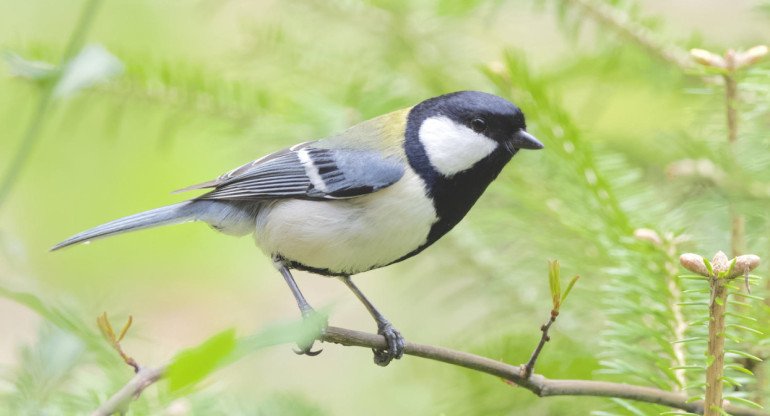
(646, 234)
(751, 56)
(744, 264)
(179, 407)
(720, 263)
(703, 168)
(694, 263)
(496, 67)
(707, 58)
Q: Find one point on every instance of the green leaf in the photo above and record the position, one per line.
(35, 70)
(744, 354)
(301, 332)
(693, 303)
(747, 296)
(731, 381)
(693, 339)
(692, 277)
(745, 328)
(721, 412)
(194, 364)
(744, 304)
(628, 406)
(744, 401)
(710, 360)
(732, 265)
(553, 281)
(700, 321)
(679, 414)
(569, 288)
(688, 367)
(739, 368)
(741, 316)
(708, 266)
(695, 386)
(730, 337)
(719, 301)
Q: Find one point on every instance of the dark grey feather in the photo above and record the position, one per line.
(343, 173)
(228, 216)
(171, 214)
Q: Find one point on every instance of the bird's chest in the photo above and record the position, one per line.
(351, 235)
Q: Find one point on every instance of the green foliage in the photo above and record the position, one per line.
(554, 282)
(192, 365)
(630, 140)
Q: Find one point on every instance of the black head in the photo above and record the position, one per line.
(487, 114)
(458, 143)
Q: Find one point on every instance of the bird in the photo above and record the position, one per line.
(375, 194)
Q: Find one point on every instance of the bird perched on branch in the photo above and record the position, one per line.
(373, 195)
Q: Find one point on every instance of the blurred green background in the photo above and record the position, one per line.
(204, 86)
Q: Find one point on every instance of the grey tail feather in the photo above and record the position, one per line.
(170, 214)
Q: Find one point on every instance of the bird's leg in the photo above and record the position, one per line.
(396, 343)
(307, 311)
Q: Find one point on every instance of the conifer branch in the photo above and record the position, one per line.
(622, 23)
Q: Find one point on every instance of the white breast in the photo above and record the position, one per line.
(452, 147)
(351, 235)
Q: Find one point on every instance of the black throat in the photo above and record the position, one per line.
(452, 197)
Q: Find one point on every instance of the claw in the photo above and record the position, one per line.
(396, 345)
(310, 315)
(307, 351)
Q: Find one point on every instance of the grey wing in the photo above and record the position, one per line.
(308, 172)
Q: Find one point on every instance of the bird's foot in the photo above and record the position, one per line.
(318, 322)
(396, 345)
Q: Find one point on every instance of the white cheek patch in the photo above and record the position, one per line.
(452, 147)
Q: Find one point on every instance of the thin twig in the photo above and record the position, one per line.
(114, 340)
(536, 383)
(635, 32)
(530, 366)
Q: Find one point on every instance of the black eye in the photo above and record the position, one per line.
(478, 125)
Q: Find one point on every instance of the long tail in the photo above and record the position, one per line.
(172, 214)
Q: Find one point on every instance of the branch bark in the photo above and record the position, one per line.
(716, 347)
(529, 368)
(536, 383)
(119, 402)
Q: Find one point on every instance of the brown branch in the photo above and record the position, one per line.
(737, 221)
(716, 347)
(535, 383)
(528, 369)
(119, 402)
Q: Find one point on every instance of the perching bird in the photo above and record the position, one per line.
(376, 194)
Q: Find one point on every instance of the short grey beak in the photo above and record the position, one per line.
(524, 140)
